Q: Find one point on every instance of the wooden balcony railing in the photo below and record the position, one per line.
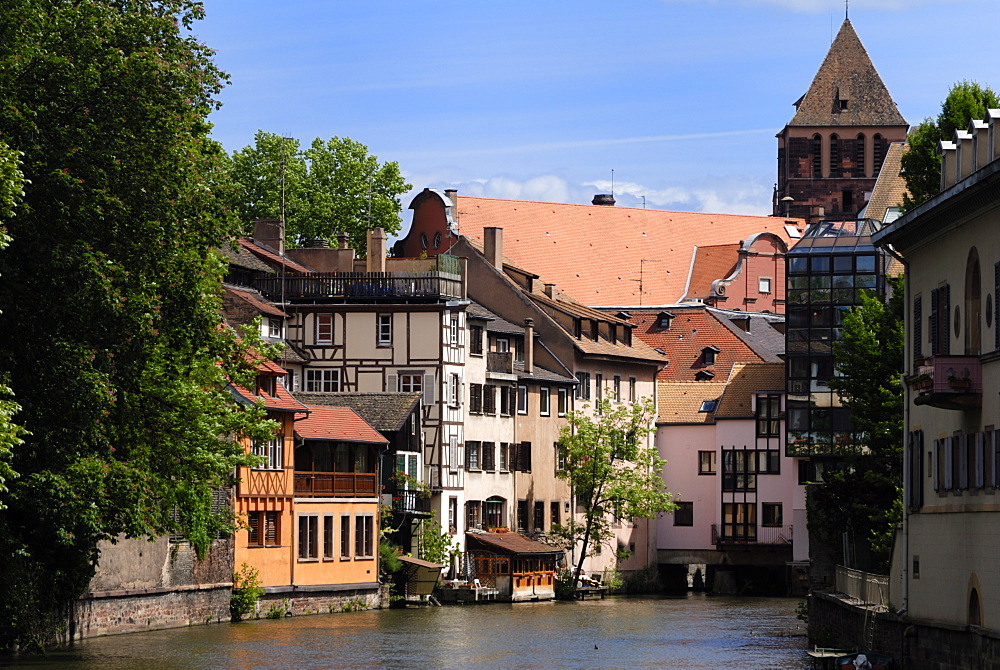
(333, 484)
(367, 285)
(500, 361)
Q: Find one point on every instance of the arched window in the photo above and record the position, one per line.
(817, 154)
(973, 305)
(859, 157)
(975, 618)
(834, 156)
(878, 153)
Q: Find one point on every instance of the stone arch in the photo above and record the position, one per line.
(878, 153)
(834, 155)
(817, 156)
(973, 304)
(974, 601)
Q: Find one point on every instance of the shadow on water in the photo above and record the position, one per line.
(692, 632)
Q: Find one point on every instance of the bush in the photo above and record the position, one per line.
(246, 592)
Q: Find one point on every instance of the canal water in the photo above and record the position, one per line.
(692, 632)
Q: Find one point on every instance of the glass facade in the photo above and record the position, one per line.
(828, 271)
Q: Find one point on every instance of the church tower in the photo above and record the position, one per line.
(830, 153)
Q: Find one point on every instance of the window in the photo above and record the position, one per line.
(473, 514)
(708, 405)
(364, 536)
(771, 514)
(308, 537)
(539, 520)
(328, 539)
(271, 451)
(345, 536)
(324, 329)
(706, 462)
(322, 380)
(385, 330)
(472, 455)
(489, 399)
(583, 386)
(563, 400)
(739, 521)
(684, 514)
(502, 345)
(262, 529)
(768, 415)
(807, 472)
(453, 329)
(599, 386)
(452, 515)
(488, 456)
(475, 398)
(544, 401)
(521, 456)
(504, 452)
(522, 399)
(476, 340)
(410, 383)
(274, 327)
(663, 320)
(508, 397)
(763, 284)
(616, 388)
(708, 355)
(560, 458)
(554, 513)
(522, 516)
(494, 513)
(631, 390)
(454, 384)
(940, 320)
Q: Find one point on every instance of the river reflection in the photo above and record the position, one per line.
(692, 632)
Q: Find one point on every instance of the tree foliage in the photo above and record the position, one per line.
(614, 472)
(921, 164)
(109, 298)
(863, 496)
(331, 187)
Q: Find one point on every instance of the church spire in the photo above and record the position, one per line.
(847, 90)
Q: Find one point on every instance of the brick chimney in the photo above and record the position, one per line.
(529, 345)
(604, 200)
(376, 250)
(271, 233)
(493, 246)
(550, 290)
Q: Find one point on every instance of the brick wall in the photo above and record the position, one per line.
(111, 613)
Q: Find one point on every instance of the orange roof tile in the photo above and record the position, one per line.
(593, 252)
(681, 402)
(710, 263)
(692, 330)
(890, 185)
(746, 380)
(281, 401)
(337, 423)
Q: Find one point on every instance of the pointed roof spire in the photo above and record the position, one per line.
(847, 90)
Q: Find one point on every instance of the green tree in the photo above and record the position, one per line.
(109, 299)
(863, 496)
(332, 187)
(921, 164)
(613, 471)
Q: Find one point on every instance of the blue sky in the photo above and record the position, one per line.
(539, 100)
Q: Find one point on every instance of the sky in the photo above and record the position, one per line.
(677, 101)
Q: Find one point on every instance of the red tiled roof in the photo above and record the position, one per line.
(680, 402)
(337, 423)
(691, 330)
(281, 401)
(254, 301)
(710, 263)
(593, 252)
(271, 256)
(513, 543)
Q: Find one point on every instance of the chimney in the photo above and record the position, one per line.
(452, 194)
(550, 290)
(529, 345)
(493, 246)
(604, 199)
(342, 240)
(376, 250)
(271, 233)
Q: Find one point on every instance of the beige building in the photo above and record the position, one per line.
(945, 571)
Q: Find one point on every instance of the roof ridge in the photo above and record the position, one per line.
(612, 208)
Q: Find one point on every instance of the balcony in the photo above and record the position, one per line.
(501, 362)
(353, 286)
(335, 484)
(948, 382)
(411, 502)
(726, 535)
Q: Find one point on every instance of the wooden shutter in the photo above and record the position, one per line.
(935, 321)
(963, 462)
(253, 524)
(429, 397)
(917, 342)
(936, 453)
(392, 383)
(980, 480)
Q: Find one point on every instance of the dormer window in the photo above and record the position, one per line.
(663, 320)
(843, 105)
(708, 354)
(274, 328)
(267, 385)
(704, 376)
(709, 405)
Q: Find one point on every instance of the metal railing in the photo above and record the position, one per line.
(865, 587)
(411, 501)
(368, 285)
(751, 535)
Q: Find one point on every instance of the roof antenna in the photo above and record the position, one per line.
(612, 182)
(847, 9)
